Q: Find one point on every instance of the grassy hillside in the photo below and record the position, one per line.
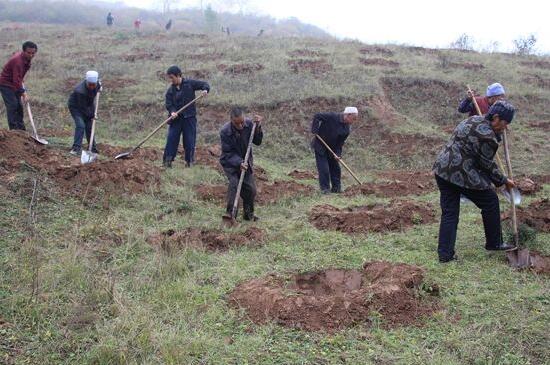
(89, 272)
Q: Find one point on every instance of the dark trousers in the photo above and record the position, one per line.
(187, 129)
(248, 191)
(329, 172)
(486, 200)
(14, 108)
(82, 126)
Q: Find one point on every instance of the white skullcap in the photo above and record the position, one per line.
(92, 77)
(351, 110)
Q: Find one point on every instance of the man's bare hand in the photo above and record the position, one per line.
(25, 97)
(204, 92)
(258, 119)
(510, 184)
(244, 167)
(470, 94)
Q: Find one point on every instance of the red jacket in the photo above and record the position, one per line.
(467, 106)
(14, 71)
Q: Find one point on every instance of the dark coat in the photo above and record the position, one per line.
(234, 144)
(332, 129)
(82, 99)
(176, 98)
(467, 159)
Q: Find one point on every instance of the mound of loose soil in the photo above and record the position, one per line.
(267, 193)
(239, 69)
(307, 53)
(334, 299)
(378, 62)
(211, 240)
(203, 56)
(316, 67)
(142, 56)
(536, 215)
(400, 183)
(396, 216)
(527, 186)
(427, 100)
(302, 175)
(376, 50)
(109, 83)
(18, 150)
(537, 80)
(537, 64)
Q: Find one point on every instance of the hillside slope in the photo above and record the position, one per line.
(121, 262)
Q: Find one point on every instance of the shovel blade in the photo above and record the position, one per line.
(519, 259)
(40, 140)
(87, 157)
(229, 221)
(123, 155)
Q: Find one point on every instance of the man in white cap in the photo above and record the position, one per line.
(81, 106)
(495, 92)
(334, 129)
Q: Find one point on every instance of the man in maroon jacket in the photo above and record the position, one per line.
(11, 84)
(495, 92)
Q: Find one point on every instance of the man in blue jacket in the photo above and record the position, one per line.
(181, 92)
(82, 108)
(234, 137)
(465, 166)
(334, 129)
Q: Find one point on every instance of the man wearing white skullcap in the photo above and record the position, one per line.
(495, 92)
(82, 109)
(334, 129)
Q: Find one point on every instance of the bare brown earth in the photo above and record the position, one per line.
(536, 215)
(316, 67)
(333, 299)
(537, 64)
(111, 83)
(373, 50)
(378, 62)
(240, 69)
(307, 53)
(398, 183)
(396, 216)
(267, 193)
(209, 239)
(19, 152)
(538, 80)
(528, 186)
(302, 175)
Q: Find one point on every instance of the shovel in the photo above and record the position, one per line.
(127, 154)
(35, 134)
(230, 220)
(338, 159)
(520, 257)
(89, 156)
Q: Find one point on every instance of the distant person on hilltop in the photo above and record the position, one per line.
(82, 109)
(168, 25)
(234, 137)
(465, 166)
(495, 92)
(334, 129)
(261, 33)
(184, 125)
(11, 84)
(110, 19)
(137, 24)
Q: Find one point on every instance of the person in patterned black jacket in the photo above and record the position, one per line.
(466, 167)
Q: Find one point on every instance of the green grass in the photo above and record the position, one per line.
(87, 288)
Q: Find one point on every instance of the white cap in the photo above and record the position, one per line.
(92, 77)
(351, 110)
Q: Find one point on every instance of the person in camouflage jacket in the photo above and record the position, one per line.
(465, 166)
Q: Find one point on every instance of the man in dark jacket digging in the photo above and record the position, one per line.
(466, 167)
(82, 108)
(234, 137)
(495, 92)
(181, 92)
(334, 129)
(11, 84)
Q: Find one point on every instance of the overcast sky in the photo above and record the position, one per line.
(428, 23)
